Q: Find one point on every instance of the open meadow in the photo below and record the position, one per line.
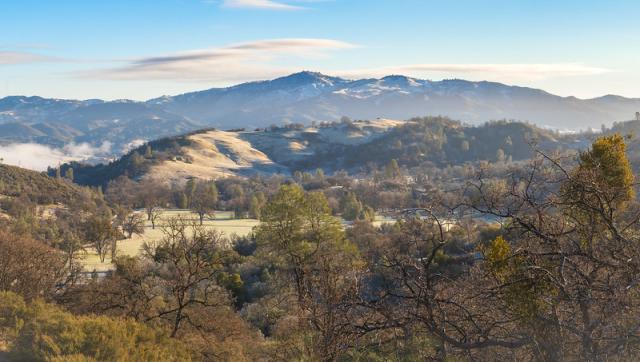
(222, 221)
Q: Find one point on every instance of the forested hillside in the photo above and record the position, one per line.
(36, 186)
(441, 141)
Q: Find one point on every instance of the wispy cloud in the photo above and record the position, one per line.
(11, 58)
(484, 71)
(235, 62)
(259, 4)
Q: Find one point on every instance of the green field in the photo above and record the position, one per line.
(222, 222)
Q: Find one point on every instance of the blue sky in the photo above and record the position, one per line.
(141, 49)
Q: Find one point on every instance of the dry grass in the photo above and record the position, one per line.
(214, 154)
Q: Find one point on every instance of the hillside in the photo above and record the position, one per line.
(296, 142)
(38, 187)
(349, 145)
(212, 155)
(443, 142)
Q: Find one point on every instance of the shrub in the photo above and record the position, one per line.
(41, 332)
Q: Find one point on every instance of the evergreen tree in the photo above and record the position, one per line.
(189, 190)
(205, 199)
(464, 146)
(183, 201)
(148, 153)
(500, 155)
(256, 204)
(68, 174)
(392, 170)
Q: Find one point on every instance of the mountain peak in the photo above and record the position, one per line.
(307, 73)
(396, 77)
(401, 80)
(307, 77)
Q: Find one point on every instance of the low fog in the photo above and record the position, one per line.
(38, 157)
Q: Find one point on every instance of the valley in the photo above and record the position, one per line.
(319, 181)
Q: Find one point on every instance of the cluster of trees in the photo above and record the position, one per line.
(344, 121)
(203, 197)
(183, 285)
(557, 281)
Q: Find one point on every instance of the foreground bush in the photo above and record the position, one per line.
(43, 332)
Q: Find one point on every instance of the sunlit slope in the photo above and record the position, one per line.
(212, 155)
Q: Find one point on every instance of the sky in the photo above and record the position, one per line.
(141, 49)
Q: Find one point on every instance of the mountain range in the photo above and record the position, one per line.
(302, 97)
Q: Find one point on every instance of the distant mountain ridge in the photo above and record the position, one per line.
(309, 96)
(302, 97)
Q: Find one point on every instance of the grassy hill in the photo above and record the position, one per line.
(210, 153)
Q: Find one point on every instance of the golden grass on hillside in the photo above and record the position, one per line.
(214, 154)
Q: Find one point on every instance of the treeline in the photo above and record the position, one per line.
(244, 197)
